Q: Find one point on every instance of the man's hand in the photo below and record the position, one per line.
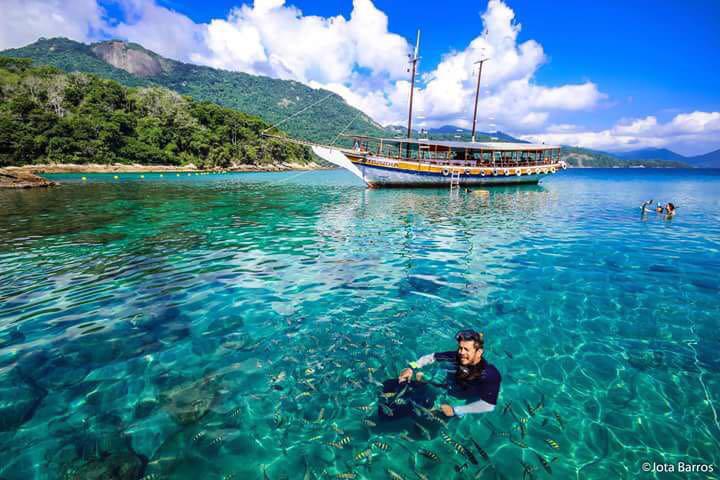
(447, 410)
(405, 375)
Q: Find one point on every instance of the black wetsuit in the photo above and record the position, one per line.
(478, 385)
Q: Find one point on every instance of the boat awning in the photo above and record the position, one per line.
(449, 144)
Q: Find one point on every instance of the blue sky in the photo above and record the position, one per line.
(651, 57)
(611, 75)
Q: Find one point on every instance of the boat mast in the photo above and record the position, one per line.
(477, 95)
(413, 60)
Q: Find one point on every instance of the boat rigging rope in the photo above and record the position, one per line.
(346, 127)
(299, 112)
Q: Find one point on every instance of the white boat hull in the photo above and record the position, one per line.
(382, 177)
(391, 176)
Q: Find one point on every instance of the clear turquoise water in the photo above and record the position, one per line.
(222, 326)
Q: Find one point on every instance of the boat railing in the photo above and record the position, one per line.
(501, 163)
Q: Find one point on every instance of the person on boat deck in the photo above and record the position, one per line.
(468, 375)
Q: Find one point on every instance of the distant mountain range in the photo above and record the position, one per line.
(651, 154)
(275, 100)
(451, 132)
(708, 160)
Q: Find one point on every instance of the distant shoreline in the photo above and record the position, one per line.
(137, 168)
(29, 176)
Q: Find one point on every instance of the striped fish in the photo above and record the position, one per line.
(429, 454)
(460, 468)
(552, 443)
(545, 464)
(363, 454)
(381, 445)
(346, 475)
(482, 452)
(394, 475)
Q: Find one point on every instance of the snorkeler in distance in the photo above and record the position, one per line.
(468, 375)
(668, 209)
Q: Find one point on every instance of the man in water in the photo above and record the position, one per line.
(468, 375)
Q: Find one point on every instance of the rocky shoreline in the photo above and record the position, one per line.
(28, 176)
(20, 178)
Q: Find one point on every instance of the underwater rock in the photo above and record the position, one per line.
(53, 370)
(189, 402)
(646, 360)
(18, 401)
(114, 466)
(145, 407)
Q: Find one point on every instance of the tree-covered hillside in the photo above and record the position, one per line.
(271, 99)
(50, 116)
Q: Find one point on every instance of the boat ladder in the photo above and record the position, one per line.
(454, 179)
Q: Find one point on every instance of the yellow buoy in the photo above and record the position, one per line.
(161, 175)
(142, 176)
(177, 174)
(115, 177)
(84, 178)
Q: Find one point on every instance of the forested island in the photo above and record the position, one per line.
(48, 116)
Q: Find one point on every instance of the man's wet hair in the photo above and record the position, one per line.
(466, 335)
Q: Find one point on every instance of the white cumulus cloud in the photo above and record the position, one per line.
(24, 21)
(693, 132)
(359, 58)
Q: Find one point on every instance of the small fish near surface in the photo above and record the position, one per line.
(363, 454)
(387, 410)
(552, 443)
(507, 408)
(217, 440)
(381, 445)
(278, 419)
(429, 454)
(346, 475)
(545, 464)
(527, 470)
(559, 420)
(369, 423)
(461, 468)
(394, 475)
(480, 450)
(425, 432)
(519, 443)
(459, 448)
(529, 408)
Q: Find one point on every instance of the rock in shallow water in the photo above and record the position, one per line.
(115, 466)
(18, 402)
(189, 402)
(17, 178)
